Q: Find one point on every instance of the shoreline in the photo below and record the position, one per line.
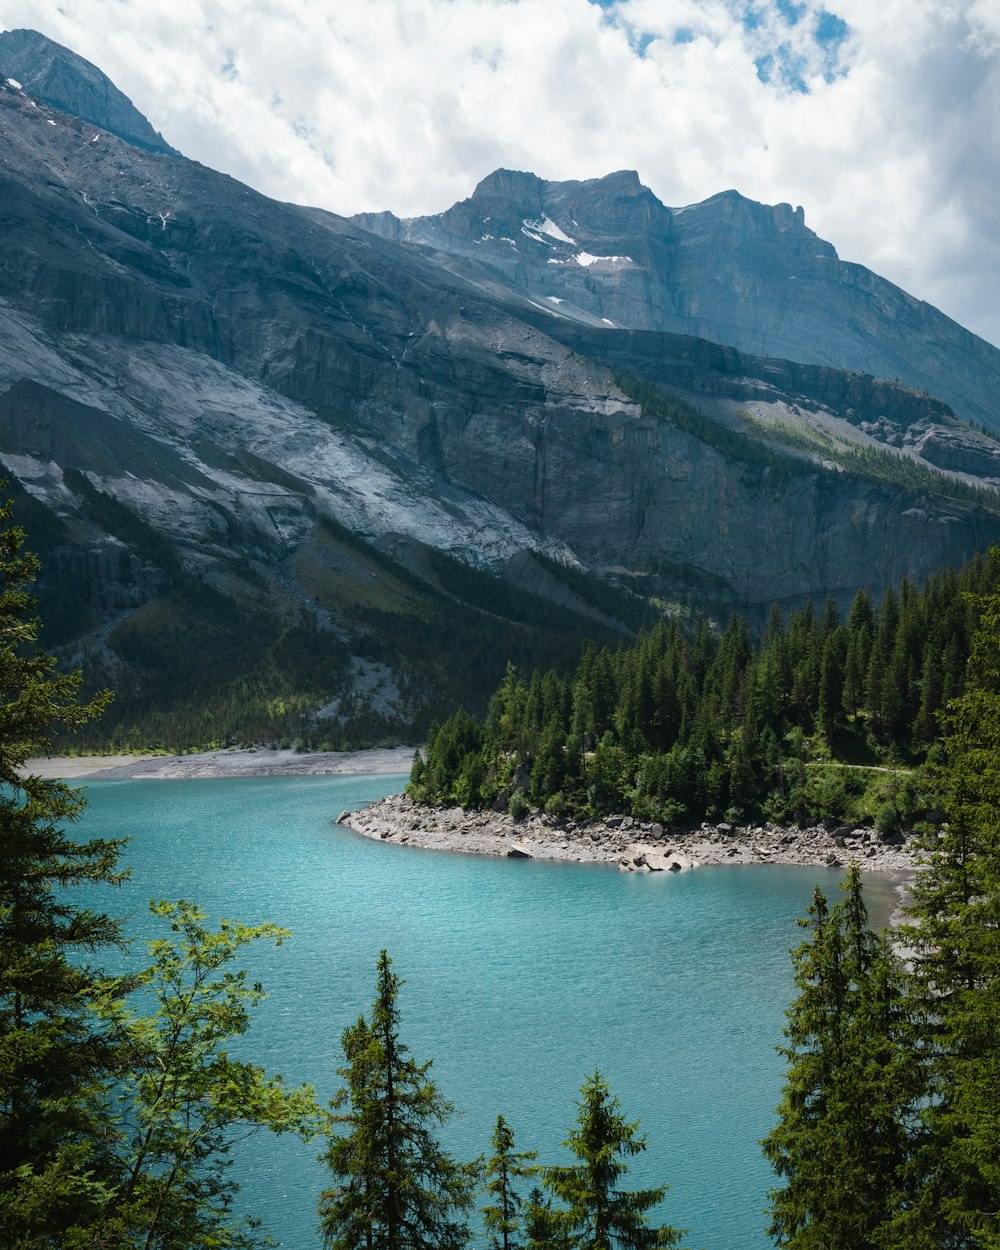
(227, 762)
(632, 845)
(621, 841)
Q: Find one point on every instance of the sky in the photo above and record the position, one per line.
(881, 118)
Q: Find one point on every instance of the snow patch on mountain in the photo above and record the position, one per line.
(549, 227)
(586, 259)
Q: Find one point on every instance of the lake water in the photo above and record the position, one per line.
(521, 979)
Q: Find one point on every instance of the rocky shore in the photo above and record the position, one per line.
(633, 845)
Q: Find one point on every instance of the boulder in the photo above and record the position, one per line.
(651, 859)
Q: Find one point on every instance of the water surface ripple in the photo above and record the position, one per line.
(521, 979)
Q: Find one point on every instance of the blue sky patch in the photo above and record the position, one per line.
(792, 13)
(788, 65)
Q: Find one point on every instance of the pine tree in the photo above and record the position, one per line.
(844, 1137)
(506, 1166)
(599, 1215)
(396, 1188)
(53, 1169)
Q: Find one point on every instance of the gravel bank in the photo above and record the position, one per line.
(632, 845)
(231, 762)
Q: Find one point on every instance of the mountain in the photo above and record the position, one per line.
(291, 477)
(730, 270)
(54, 75)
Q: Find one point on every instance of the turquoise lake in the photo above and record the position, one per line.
(521, 979)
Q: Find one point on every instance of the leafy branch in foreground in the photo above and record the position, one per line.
(183, 1102)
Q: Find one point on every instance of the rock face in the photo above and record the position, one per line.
(53, 74)
(239, 373)
(728, 269)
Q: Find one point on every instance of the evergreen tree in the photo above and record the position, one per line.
(545, 1228)
(503, 1214)
(957, 960)
(844, 1138)
(686, 725)
(599, 1215)
(831, 683)
(395, 1187)
(54, 1170)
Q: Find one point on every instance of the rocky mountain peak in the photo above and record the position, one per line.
(60, 78)
(608, 253)
(730, 208)
(510, 186)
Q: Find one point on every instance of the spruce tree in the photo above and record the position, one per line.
(395, 1187)
(503, 1215)
(844, 1137)
(53, 1169)
(957, 960)
(598, 1214)
(545, 1226)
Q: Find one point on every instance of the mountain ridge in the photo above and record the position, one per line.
(726, 269)
(271, 453)
(61, 78)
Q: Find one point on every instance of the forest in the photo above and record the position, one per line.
(121, 1106)
(819, 718)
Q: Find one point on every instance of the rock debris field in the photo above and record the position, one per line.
(633, 845)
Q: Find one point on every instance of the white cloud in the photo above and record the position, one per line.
(893, 149)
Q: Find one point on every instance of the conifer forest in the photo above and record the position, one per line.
(121, 1105)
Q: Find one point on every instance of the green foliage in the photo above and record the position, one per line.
(54, 1173)
(181, 1102)
(847, 1120)
(43, 528)
(800, 438)
(115, 1122)
(888, 1127)
(873, 464)
(517, 805)
(612, 601)
(395, 1187)
(906, 474)
(598, 1214)
(209, 662)
(503, 1214)
(956, 944)
(687, 724)
(207, 667)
